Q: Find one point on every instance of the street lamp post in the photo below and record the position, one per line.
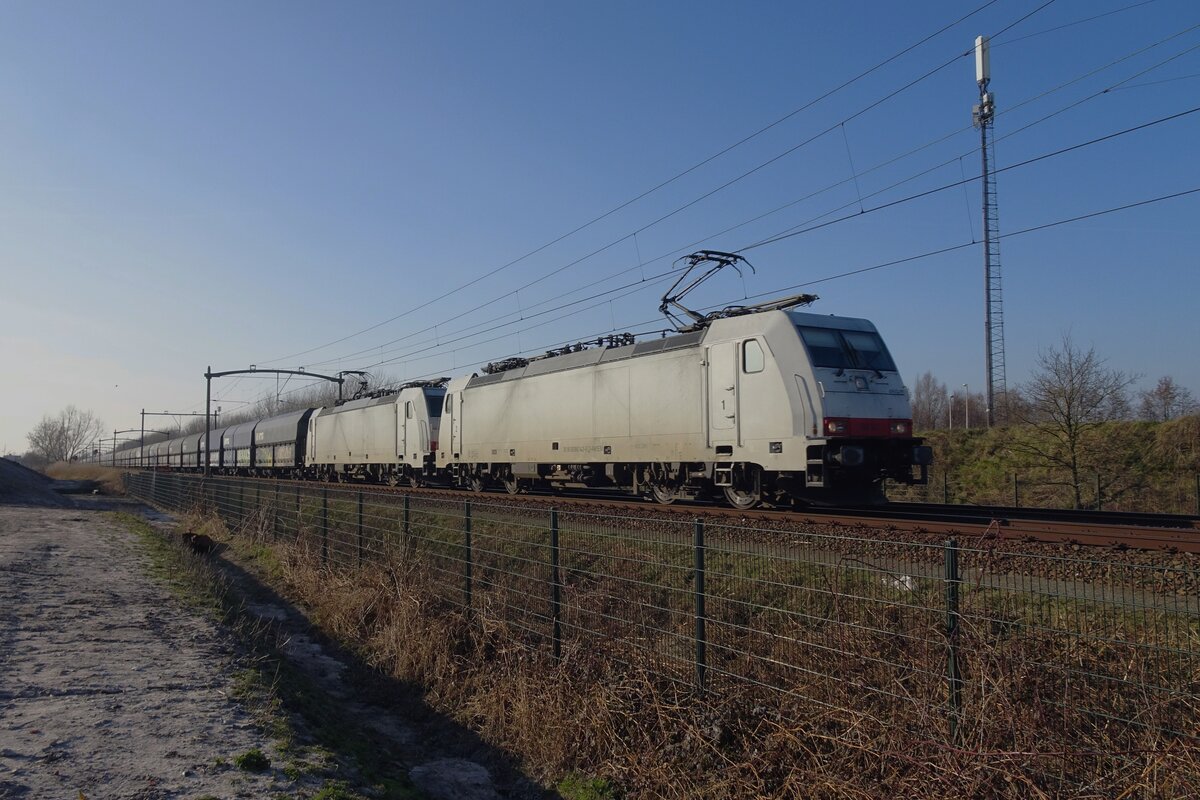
(967, 405)
(950, 411)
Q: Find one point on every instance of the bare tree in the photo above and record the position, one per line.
(1167, 400)
(66, 435)
(1070, 395)
(929, 403)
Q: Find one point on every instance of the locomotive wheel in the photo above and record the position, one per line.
(415, 482)
(393, 479)
(664, 495)
(512, 485)
(663, 487)
(475, 483)
(746, 491)
(742, 500)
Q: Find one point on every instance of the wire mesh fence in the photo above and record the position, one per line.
(999, 645)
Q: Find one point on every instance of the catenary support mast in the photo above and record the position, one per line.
(993, 305)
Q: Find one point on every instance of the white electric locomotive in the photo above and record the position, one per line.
(759, 403)
(385, 439)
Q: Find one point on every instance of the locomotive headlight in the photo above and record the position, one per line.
(900, 427)
(835, 426)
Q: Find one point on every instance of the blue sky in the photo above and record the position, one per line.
(233, 183)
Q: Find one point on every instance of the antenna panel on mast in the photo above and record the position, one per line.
(983, 61)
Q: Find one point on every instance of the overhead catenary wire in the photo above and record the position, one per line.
(944, 187)
(642, 263)
(516, 290)
(939, 140)
(1072, 24)
(606, 296)
(848, 273)
(909, 259)
(679, 175)
(943, 138)
(1156, 83)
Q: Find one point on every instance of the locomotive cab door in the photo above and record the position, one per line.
(454, 410)
(722, 393)
(404, 412)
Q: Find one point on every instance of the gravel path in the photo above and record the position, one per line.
(108, 686)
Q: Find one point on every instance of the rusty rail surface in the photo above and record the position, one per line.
(1054, 526)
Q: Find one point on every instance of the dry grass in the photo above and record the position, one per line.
(611, 710)
(109, 478)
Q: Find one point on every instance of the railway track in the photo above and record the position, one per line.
(1121, 530)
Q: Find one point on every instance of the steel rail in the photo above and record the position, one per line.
(1051, 526)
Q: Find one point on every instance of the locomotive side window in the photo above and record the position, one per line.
(752, 356)
(408, 411)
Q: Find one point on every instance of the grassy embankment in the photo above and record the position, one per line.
(824, 681)
(1138, 466)
(108, 478)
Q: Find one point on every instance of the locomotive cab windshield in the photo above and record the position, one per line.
(846, 349)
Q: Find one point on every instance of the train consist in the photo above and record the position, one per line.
(749, 405)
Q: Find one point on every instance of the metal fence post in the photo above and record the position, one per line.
(953, 670)
(555, 587)
(297, 513)
(325, 527)
(698, 588)
(258, 509)
(467, 553)
(275, 515)
(406, 530)
(360, 527)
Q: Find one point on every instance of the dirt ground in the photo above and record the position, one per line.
(112, 686)
(108, 686)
